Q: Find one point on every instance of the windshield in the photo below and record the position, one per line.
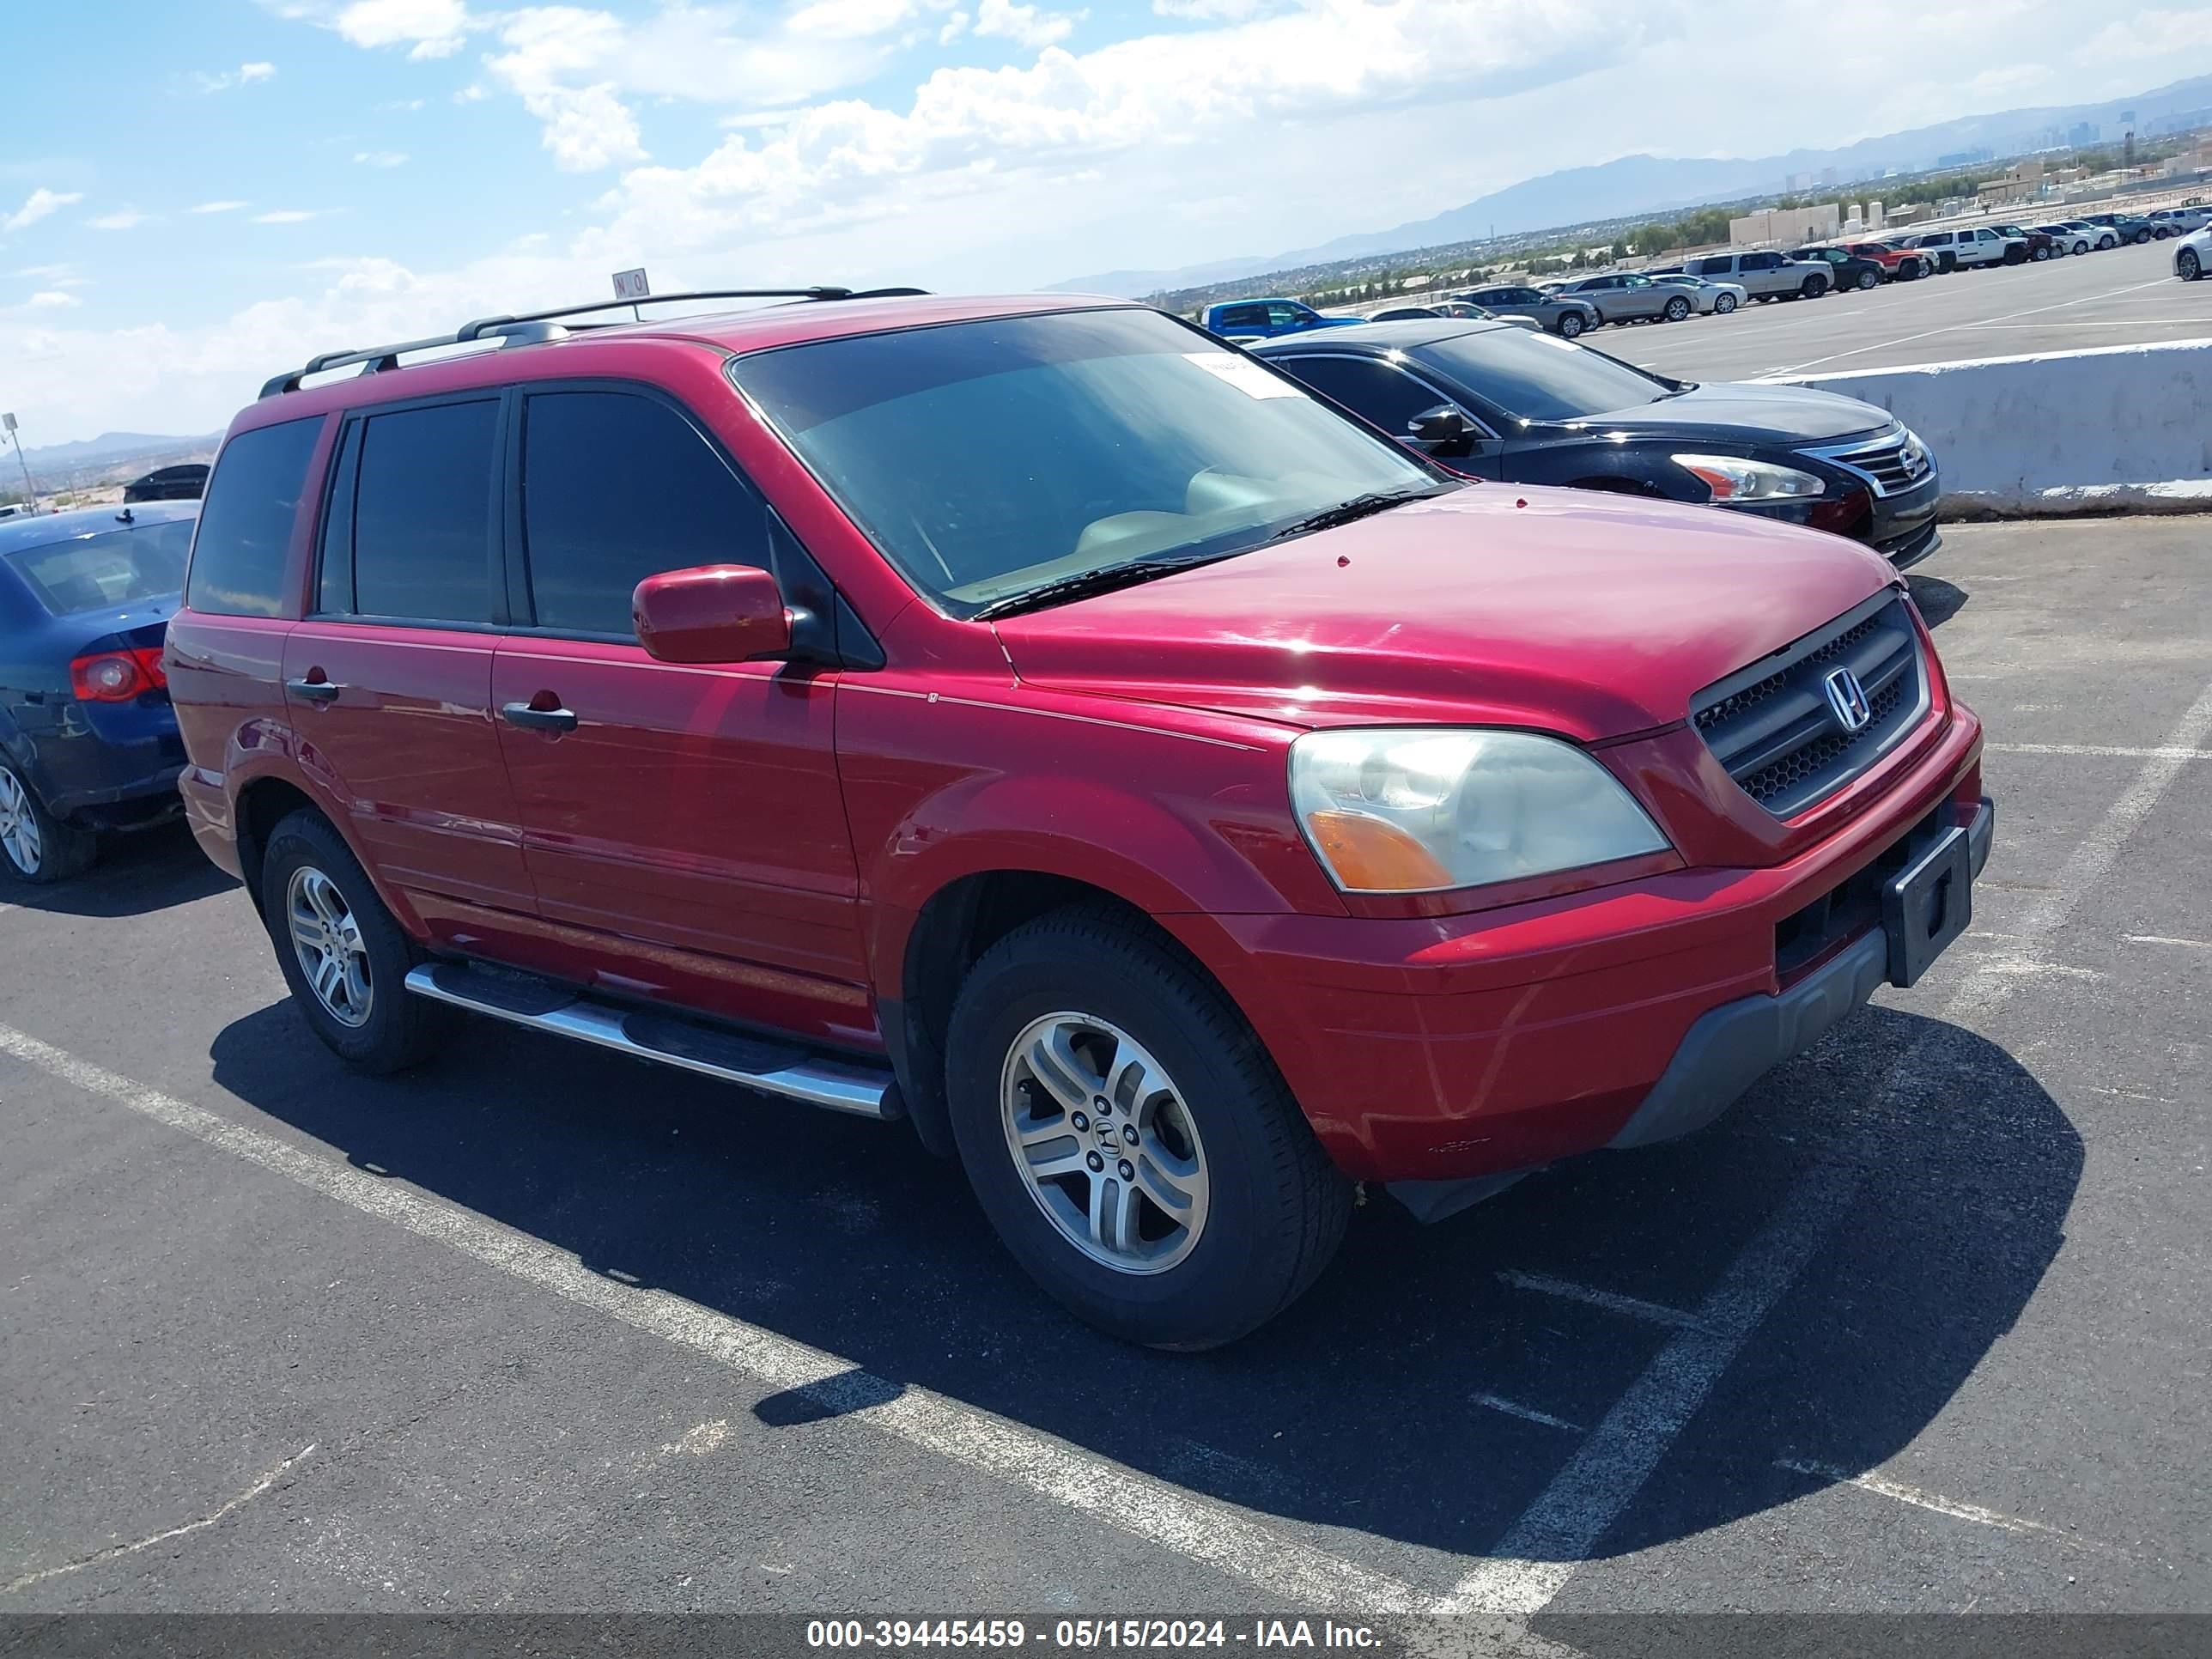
(989, 459)
(1539, 377)
(121, 567)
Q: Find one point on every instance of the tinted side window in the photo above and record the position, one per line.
(1243, 317)
(422, 513)
(1388, 397)
(616, 487)
(245, 525)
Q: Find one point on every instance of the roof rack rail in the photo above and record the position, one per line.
(531, 326)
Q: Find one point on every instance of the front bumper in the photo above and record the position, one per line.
(1441, 1048)
(1729, 1048)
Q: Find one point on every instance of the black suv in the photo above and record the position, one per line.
(1848, 270)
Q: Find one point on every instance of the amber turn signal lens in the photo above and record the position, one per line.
(1372, 856)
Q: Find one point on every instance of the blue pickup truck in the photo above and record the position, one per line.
(1265, 318)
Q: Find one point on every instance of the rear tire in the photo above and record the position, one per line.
(1265, 1207)
(36, 848)
(314, 888)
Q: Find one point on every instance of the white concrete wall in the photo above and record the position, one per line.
(2119, 427)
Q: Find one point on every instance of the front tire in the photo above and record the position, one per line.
(1869, 279)
(1571, 325)
(1677, 309)
(1194, 1204)
(342, 953)
(2040, 253)
(1723, 304)
(2187, 266)
(2141, 236)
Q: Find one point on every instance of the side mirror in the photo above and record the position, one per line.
(1443, 430)
(712, 613)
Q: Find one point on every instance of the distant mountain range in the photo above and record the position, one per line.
(1634, 184)
(114, 447)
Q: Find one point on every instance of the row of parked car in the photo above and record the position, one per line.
(1716, 284)
(1176, 797)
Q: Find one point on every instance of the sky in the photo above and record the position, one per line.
(197, 193)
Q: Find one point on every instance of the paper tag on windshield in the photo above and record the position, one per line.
(1247, 376)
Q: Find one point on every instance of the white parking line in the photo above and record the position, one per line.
(1542, 1549)
(1541, 1552)
(1526, 1413)
(2109, 751)
(1212, 1534)
(1953, 328)
(1612, 1301)
(2160, 939)
(1957, 1509)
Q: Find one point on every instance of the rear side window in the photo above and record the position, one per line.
(1243, 316)
(245, 524)
(422, 513)
(119, 568)
(614, 488)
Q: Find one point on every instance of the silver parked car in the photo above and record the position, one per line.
(1564, 317)
(1717, 299)
(1633, 297)
(1765, 274)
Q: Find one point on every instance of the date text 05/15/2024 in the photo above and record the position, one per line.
(1089, 1634)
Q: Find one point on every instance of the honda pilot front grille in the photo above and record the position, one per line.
(1892, 463)
(1793, 728)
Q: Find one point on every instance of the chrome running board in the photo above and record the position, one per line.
(772, 1068)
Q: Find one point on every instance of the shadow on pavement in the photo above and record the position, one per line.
(1358, 1409)
(1938, 600)
(138, 873)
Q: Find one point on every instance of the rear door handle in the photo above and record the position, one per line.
(315, 690)
(538, 720)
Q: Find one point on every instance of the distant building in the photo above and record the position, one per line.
(1966, 158)
(1816, 223)
(2083, 134)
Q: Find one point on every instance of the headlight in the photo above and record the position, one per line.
(1732, 478)
(1420, 809)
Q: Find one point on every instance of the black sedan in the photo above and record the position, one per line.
(88, 738)
(1494, 402)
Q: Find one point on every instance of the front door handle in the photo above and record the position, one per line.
(533, 719)
(315, 690)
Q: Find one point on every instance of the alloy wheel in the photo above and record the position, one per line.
(19, 826)
(1103, 1139)
(326, 938)
(2188, 264)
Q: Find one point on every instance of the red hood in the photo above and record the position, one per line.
(1580, 613)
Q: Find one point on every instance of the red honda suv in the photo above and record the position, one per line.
(1041, 721)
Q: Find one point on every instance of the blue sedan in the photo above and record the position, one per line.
(88, 739)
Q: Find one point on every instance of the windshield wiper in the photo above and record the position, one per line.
(1105, 580)
(1359, 507)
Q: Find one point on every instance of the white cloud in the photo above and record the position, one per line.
(1025, 25)
(1235, 11)
(218, 206)
(288, 216)
(849, 20)
(428, 28)
(586, 127)
(245, 74)
(380, 158)
(37, 205)
(53, 299)
(955, 27)
(122, 219)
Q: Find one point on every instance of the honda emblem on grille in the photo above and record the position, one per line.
(1847, 700)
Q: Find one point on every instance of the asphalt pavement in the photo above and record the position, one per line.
(1919, 1326)
(2121, 296)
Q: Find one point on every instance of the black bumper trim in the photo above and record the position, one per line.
(1732, 1046)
